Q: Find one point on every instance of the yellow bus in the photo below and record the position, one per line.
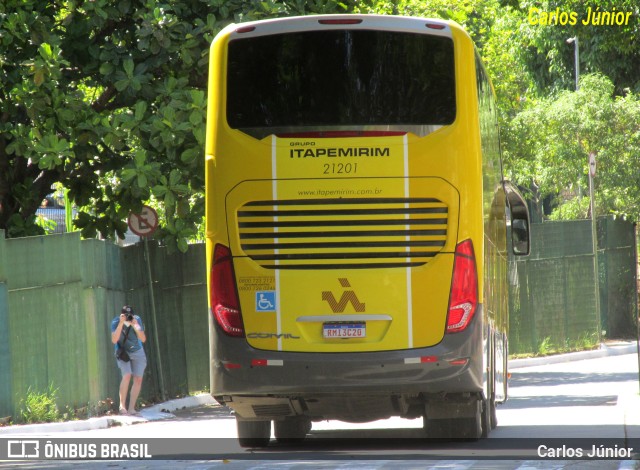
(357, 223)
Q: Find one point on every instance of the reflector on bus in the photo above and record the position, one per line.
(224, 299)
(464, 288)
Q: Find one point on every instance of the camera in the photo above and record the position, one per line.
(127, 311)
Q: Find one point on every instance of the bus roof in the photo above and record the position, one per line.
(432, 26)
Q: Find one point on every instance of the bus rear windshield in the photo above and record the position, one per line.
(340, 79)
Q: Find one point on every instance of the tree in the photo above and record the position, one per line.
(551, 142)
(532, 68)
(108, 98)
(609, 49)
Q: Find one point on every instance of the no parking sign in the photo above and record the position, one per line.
(144, 223)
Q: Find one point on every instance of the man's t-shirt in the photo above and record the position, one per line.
(131, 343)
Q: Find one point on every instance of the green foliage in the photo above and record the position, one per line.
(504, 55)
(550, 143)
(611, 50)
(576, 208)
(108, 99)
(46, 224)
(40, 407)
(545, 348)
(584, 342)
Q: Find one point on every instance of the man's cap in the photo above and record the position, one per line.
(127, 309)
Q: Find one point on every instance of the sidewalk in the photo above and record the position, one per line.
(628, 399)
(614, 348)
(163, 410)
(153, 413)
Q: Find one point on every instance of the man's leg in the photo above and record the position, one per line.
(135, 391)
(124, 388)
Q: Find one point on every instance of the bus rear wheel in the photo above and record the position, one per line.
(253, 433)
(467, 428)
(488, 409)
(494, 414)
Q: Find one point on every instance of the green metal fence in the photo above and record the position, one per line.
(618, 277)
(58, 295)
(553, 301)
(5, 352)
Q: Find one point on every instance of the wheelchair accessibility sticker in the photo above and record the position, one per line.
(266, 301)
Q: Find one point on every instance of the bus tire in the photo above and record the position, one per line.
(253, 433)
(494, 413)
(486, 418)
(291, 430)
(437, 428)
(471, 429)
(468, 429)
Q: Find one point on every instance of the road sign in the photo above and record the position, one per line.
(144, 223)
(592, 164)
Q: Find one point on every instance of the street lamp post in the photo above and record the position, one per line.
(574, 40)
(594, 238)
(592, 174)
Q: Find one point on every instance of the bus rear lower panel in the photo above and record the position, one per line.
(352, 387)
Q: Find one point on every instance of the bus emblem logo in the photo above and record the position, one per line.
(348, 296)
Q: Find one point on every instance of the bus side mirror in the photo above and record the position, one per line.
(519, 214)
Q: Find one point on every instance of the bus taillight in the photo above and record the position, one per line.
(224, 298)
(464, 288)
(341, 21)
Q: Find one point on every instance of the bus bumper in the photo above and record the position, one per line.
(354, 387)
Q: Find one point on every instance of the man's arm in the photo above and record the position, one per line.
(115, 334)
(137, 327)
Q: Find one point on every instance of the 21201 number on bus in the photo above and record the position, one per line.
(340, 168)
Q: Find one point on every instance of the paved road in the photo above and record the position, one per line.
(551, 405)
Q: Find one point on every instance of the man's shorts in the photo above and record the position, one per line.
(136, 365)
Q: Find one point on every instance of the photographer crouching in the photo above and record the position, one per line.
(127, 334)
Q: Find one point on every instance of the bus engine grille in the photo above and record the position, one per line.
(343, 233)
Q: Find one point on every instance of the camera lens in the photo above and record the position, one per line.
(129, 317)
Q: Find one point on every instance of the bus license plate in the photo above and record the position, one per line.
(344, 330)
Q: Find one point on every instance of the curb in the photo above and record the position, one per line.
(153, 413)
(605, 350)
(163, 410)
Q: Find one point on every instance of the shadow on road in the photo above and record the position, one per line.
(204, 412)
(410, 444)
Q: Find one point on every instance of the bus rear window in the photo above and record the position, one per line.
(340, 79)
